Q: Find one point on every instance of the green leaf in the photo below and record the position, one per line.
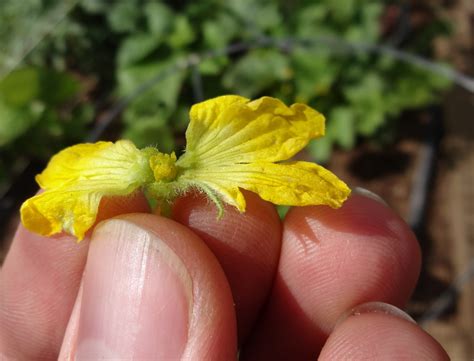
(123, 16)
(213, 66)
(182, 33)
(320, 149)
(150, 131)
(365, 25)
(261, 15)
(23, 86)
(180, 118)
(20, 87)
(282, 211)
(341, 127)
(58, 87)
(370, 21)
(310, 20)
(159, 18)
(218, 32)
(155, 113)
(371, 121)
(14, 122)
(369, 103)
(164, 92)
(256, 71)
(136, 47)
(95, 6)
(315, 72)
(342, 11)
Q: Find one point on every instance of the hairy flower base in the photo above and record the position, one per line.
(232, 143)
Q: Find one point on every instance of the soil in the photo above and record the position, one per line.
(446, 233)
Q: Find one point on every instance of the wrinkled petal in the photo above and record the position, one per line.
(232, 129)
(291, 183)
(61, 210)
(232, 143)
(76, 179)
(99, 163)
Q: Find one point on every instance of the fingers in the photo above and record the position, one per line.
(151, 290)
(380, 332)
(247, 246)
(331, 261)
(38, 285)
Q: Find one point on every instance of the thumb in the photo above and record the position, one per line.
(151, 290)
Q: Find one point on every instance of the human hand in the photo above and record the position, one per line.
(146, 287)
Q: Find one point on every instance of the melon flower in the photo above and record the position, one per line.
(232, 143)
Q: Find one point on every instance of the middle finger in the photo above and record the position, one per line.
(247, 246)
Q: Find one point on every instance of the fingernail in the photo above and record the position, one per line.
(137, 296)
(375, 307)
(369, 194)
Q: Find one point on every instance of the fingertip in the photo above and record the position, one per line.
(110, 207)
(362, 246)
(331, 260)
(247, 246)
(380, 335)
(39, 282)
(152, 289)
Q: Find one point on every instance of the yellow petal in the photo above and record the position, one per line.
(66, 210)
(93, 163)
(291, 184)
(76, 179)
(231, 129)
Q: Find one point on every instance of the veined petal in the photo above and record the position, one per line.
(76, 179)
(232, 129)
(203, 116)
(94, 163)
(226, 191)
(291, 184)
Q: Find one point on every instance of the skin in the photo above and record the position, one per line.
(274, 290)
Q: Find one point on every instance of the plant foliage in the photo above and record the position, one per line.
(105, 47)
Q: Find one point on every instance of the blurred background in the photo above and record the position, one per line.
(392, 78)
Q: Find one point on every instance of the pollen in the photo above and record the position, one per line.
(163, 166)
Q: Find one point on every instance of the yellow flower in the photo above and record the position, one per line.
(232, 143)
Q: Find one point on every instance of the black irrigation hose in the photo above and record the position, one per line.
(419, 199)
(425, 172)
(448, 297)
(286, 45)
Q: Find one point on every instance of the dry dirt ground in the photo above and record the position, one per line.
(444, 299)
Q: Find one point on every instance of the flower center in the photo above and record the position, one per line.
(163, 166)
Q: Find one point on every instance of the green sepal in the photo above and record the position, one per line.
(211, 194)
